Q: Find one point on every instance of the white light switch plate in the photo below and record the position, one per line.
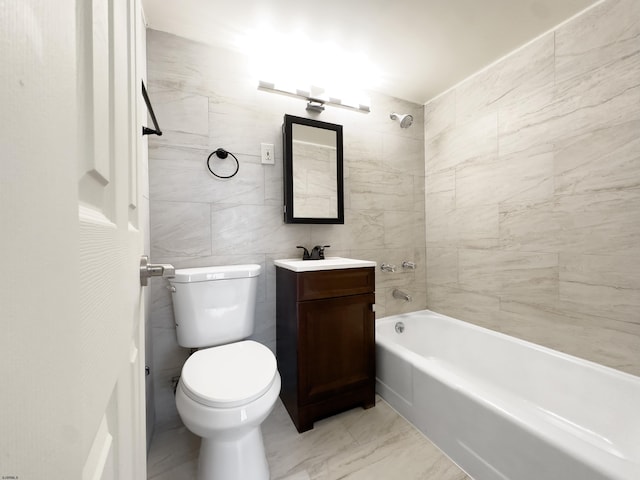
(267, 153)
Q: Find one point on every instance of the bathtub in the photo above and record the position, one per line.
(502, 408)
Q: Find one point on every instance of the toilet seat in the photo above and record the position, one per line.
(229, 375)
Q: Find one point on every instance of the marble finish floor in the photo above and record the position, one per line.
(358, 444)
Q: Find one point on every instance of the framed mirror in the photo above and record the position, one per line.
(313, 171)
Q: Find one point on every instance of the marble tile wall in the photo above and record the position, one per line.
(204, 98)
(533, 191)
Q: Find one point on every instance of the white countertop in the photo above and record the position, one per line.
(329, 263)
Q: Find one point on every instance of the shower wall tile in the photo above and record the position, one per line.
(604, 159)
(522, 128)
(603, 285)
(601, 36)
(476, 226)
(616, 343)
(207, 100)
(601, 223)
(442, 266)
(443, 181)
(440, 205)
(578, 108)
(440, 114)
(478, 271)
(529, 277)
(419, 193)
(419, 233)
(476, 138)
(491, 183)
(411, 160)
(533, 227)
(464, 305)
(440, 222)
(508, 82)
(511, 276)
(420, 259)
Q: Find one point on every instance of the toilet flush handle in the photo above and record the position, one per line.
(154, 270)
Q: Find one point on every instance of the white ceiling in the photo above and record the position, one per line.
(420, 47)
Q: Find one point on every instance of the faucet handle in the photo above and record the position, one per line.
(317, 253)
(305, 255)
(387, 267)
(410, 265)
(321, 250)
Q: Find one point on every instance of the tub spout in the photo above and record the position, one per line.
(401, 295)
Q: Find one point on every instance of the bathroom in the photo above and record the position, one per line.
(514, 191)
(509, 234)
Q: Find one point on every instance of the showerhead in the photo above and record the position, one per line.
(405, 120)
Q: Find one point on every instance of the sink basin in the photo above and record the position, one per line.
(329, 263)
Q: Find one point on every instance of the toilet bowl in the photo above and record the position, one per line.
(224, 395)
(225, 391)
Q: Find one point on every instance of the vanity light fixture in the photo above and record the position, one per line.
(315, 106)
(314, 103)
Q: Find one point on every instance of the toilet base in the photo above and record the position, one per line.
(240, 459)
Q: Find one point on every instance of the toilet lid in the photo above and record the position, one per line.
(229, 375)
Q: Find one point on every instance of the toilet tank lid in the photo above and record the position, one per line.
(222, 272)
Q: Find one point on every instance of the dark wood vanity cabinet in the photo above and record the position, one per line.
(325, 341)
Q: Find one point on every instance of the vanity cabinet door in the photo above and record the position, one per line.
(336, 346)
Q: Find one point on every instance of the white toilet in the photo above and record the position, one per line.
(225, 392)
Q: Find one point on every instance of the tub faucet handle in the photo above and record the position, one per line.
(387, 267)
(410, 265)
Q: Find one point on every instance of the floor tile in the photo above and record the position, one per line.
(371, 444)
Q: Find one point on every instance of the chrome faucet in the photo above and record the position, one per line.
(410, 265)
(387, 267)
(401, 295)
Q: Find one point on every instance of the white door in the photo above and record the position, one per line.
(71, 339)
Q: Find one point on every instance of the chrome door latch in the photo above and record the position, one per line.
(147, 270)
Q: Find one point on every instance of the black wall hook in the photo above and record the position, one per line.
(222, 154)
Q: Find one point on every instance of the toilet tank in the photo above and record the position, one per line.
(214, 305)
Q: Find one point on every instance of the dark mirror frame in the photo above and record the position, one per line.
(287, 141)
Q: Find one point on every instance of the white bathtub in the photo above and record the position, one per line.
(503, 408)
